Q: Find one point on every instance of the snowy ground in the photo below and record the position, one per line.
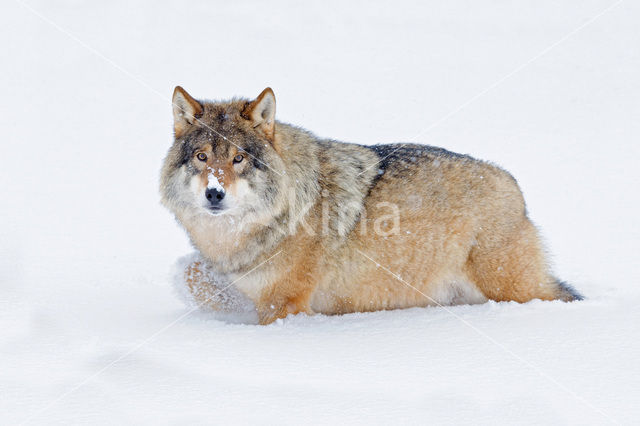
(549, 90)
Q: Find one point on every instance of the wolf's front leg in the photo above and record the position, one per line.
(203, 288)
(284, 299)
(291, 282)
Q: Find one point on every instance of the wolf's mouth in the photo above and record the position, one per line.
(215, 210)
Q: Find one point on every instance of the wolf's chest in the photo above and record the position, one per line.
(252, 284)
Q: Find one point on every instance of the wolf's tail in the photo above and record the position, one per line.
(567, 293)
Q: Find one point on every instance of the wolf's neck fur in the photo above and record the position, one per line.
(320, 192)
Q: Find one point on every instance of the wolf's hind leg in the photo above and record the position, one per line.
(513, 267)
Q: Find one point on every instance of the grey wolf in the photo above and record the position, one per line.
(303, 224)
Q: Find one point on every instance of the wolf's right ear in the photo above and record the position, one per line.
(185, 110)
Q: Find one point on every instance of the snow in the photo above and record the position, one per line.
(92, 330)
(213, 182)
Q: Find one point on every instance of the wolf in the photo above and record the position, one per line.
(301, 224)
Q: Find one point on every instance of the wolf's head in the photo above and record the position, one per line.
(224, 160)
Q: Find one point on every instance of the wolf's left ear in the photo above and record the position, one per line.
(262, 112)
(185, 110)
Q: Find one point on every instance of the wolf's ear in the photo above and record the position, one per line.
(185, 110)
(262, 112)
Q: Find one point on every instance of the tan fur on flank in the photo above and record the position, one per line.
(319, 226)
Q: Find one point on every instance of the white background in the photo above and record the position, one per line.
(548, 90)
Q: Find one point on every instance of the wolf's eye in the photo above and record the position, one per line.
(201, 156)
(238, 158)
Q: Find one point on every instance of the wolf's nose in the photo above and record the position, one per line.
(214, 196)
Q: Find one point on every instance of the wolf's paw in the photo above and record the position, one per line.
(199, 286)
(270, 312)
